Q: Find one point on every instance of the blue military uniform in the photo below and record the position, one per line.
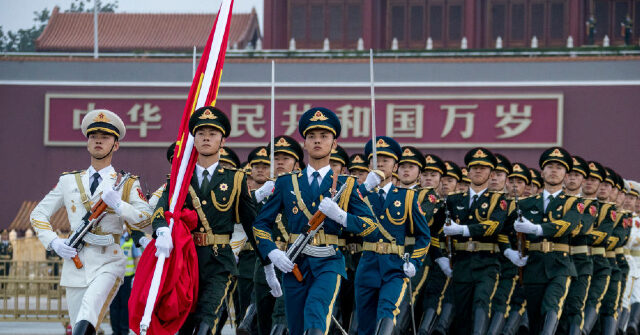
(381, 283)
(309, 303)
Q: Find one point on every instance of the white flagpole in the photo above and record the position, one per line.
(374, 158)
(193, 66)
(96, 4)
(273, 108)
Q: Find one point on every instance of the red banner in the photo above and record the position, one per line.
(436, 121)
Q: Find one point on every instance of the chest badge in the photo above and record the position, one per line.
(397, 203)
(224, 187)
(460, 207)
(73, 208)
(294, 210)
(534, 212)
(593, 210)
(484, 205)
(580, 208)
(503, 205)
(559, 208)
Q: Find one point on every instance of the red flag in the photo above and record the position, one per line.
(175, 285)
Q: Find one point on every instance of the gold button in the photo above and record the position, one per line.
(224, 199)
(397, 213)
(380, 240)
(313, 204)
(381, 216)
(115, 252)
(470, 217)
(201, 229)
(204, 202)
(544, 220)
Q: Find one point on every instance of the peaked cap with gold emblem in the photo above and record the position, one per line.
(412, 155)
(536, 178)
(209, 117)
(229, 156)
(480, 156)
(465, 175)
(319, 118)
(259, 155)
(453, 170)
(287, 145)
(102, 120)
(556, 154)
(580, 165)
(170, 152)
(435, 163)
(596, 170)
(358, 162)
(519, 170)
(386, 146)
(503, 164)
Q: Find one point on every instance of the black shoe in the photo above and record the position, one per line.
(445, 319)
(623, 321)
(497, 323)
(608, 325)
(634, 319)
(523, 328)
(550, 323)
(511, 324)
(278, 329)
(384, 327)
(313, 331)
(428, 321)
(84, 327)
(403, 320)
(590, 317)
(203, 329)
(246, 326)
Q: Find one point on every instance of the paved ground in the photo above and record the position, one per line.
(55, 328)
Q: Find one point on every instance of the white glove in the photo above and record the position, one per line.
(525, 226)
(373, 180)
(514, 257)
(280, 260)
(112, 199)
(265, 190)
(456, 229)
(62, 249)
(409, 269)
(144, 241)
(333, 211)
(164, 243)
(445, 266)
(272, 280)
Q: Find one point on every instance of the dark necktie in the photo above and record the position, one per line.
(381, 194)
(95, 182)
(549, 200)
(204, 187)
(315, 185)
(473, 201)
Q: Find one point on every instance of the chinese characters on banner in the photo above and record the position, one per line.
(435, 121)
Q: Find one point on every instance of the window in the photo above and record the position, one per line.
(537, 20)
(621, 11)
(417, 23)
(557, 21)
(335, 23)
(455, 22)
(517, 22)
(498, 16)
(316, 23)
(435, 22)
(397, 22)
(298, 20)
(354, 22)
(602, 18)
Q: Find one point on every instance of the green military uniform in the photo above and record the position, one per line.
(549, 269)
(220, 201)
(476, 267)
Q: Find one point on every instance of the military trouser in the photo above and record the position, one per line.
(543, 298)
(599, 282)
(573, 312)
(246, 266)
(612, 295)
(434, 291)
(403, 322)
(270, 310)
(506, 286)
(379, 302)
(475, 281)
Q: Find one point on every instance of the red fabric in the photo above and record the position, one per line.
(179, 284)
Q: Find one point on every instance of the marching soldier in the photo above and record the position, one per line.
(634, 245)
(339, 160)
(628, 206)
(382, 276)
(477, 218)
(89, 290)
(548, 221)
(6, 255)
(358, 167)
(463, 185)
(309, 303)
(220, 198)
(535, 186)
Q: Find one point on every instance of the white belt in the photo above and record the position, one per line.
(316, 251)
(99, 240)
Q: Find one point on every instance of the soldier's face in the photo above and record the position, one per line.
(284, 163)
(479, 174)
(573, 180)
(99, 144)
(260, 172)
(613, 195)
(553, 173)
(430, 178)
(336, 167)
(629, 202)
(620, 198)
(516, 186)
(531, 189)
(637, 205)
(590, 186)
(408, 173)
(226, 165)
(497, 181)
(208, 141)
(604, 190)
(462, 187)
(386, 164)
(447, 185)
(360, 174)
(319, 143)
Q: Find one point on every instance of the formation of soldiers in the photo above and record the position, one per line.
(411, 245)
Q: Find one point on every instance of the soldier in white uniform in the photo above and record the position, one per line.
(631, 298)
(89, 290)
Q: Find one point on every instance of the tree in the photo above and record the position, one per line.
(25, 39)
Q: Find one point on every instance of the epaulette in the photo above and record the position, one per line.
(72, 172)
(286, 174)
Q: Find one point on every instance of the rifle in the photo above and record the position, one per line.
(449, 240)
(315, 223)
(92, 219)
(519, 236)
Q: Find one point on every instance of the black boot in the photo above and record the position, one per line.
(634, 319)
(384, 327)
(574, 329)
(403, 320)
(497, 323)
(511, 324)
(623, 321)
(550, 323)
(590, 317)
(428, 320)
(278, 329)
(480, 321)
(246, 326)
(608, 325)
(84, 327)
(445, 319)
(313, 331)
(353, 325)
(203, 329)
(523, 328)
